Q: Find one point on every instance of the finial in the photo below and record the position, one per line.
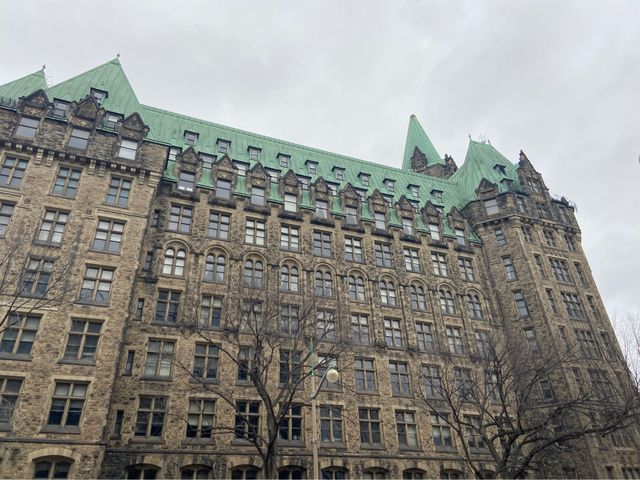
(469, 136)
(118, 55)
(44, 65)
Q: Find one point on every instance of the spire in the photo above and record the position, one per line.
(109, 77)
(417, 138)
(24, 86)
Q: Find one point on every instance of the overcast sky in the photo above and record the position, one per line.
(560, 80)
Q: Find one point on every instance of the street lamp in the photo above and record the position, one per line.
(331, 375)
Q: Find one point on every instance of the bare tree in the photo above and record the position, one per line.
(281, 349)
(518, 411)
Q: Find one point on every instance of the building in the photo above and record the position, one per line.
(124, 221)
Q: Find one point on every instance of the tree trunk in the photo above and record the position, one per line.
(270, 468)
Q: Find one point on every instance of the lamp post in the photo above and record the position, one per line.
(332, 376)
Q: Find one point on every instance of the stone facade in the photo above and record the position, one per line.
(158, 214)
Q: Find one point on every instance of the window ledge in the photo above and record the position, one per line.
(409, 238)
(323, 221)
(58, 429)
(73, 361)
(107, 252)
(438, 243)
(208, 381)
(156, 379)
(47, 244)
(145, 440)
(382, 233)
(291, 443)
(352, 227)
(372, 447)
(92, 304)
(327, 444)
(410, 448)
(264, 209)
(197, 441)
(290, 215)
(21, 357)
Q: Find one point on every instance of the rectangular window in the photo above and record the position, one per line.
(210, 311)
(570, 241)
(552, 301)
(36, 276)
(200, 418)
(326, 325)
(186, 181)
(351, 214)
(399, 373)
(60, 108)
(322, 209)
(560, 270)
(411, 259)
(339, 173)
(522, 208)
(439, 263)
(67, 404)
(247, 421)
(254, 153)
(483, 344)
(370, 427)
(424, 337)
(549, 238)
(290, 202)
(290, 428)
(257, 196)
(432, 381)
(595, 311)
(128, 366)
(128, 149)
(82, 342)
(12, 171)
(99, 95)
(150, 417)
(304, 182)
(581, 277)
(66, 183)
(539, 266)
(111, 120)
(360, 329)
(167, 306)
(6, 210)
(393, 333)
(521, 304)
(437, 195)
(460, 237)
(27, 127)
(190, 138)
(532, 340)
(501, 240)
(353, 249)
(118, 192)
(206, 361)
(407, 429)
(463, 384)
(254, 233)
(365, 375)
(289, 319)
(454, 340)
(290, 367)
(509, 269)
(434, 229)
(52, 226)
(331, 426)
(527, 233)
(9, 393)
(219, 225)
(441, 432)
(223, 189)
(96, 285)
(243, 362)
(322, 244)
(290, 238)
(79, 138)
(380, 221)
(139, 309)
(283, 160)
(223, 145)
(573, 305)
(19, 334)
(159, 358)
(465, 265)
(547, 391)
(180, 218)
(491, 206)
(587, 344)
(108, 236)
(474, 438)
(383, 255)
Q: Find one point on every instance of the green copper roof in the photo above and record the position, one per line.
(483, 161)
(416, 137)
(24, 86)
(108, 77)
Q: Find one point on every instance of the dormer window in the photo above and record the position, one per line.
(351, 214)
(407, 225)
(60, 108)
(460, 238)
(312, 167)
(415, 190)
(257, 196)
(128, 149)
(99, 95)
(273, 174)
(27, 127)
(491, 206)
(322, 209)
(439, 209)
(362, 194)
(290, 202)
(434, 229)
(79, 138)
(186, 181)
(338, 173)
(111, 120)
(207, 160)
(390, 184)
(242, 168)
(173, 151)
(437, 195)
(388, 198)
(333, 187)
(380, 221)
(304, 181)
(190, 138)
(284, 160)
(500, 169)
(364, 178)
(254, 153)
(415, 205)
(223, 145)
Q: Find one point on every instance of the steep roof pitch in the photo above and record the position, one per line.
(109, 77)
(416, 137)
(483, 161)
(24, 86)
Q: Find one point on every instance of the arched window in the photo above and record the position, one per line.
(174, 262)
(289, 278)
(52, 468)
(450, 475)
(335, 473)
(246, 472)
(142, 472)
(356, 288)
(413, 474)
(214, 267)
(253, 272)
(418, 297)
(292, 473)
(475, 306)
(195, 472)
(387, 292)
(375, 474)
(324, 283)
(447, 306)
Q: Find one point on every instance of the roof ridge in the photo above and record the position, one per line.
(298, 145)
(117, 62)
